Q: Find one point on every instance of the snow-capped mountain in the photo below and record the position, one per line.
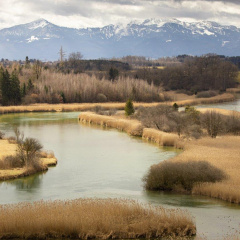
(152, 38)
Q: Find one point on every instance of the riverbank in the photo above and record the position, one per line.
(9, 149)
(93, 219)
(188, 100)
(222, 153)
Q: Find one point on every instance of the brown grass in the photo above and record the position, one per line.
(92, 218)
(221, 111)
(132, 127)
(44, 107)
(234, 90)
(226, 97)
(8, 149)
(223, 153)
(161, 138)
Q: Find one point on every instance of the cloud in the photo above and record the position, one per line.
(90, 13)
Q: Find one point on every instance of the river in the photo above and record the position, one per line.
(95, 162)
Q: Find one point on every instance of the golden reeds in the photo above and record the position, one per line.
(223, 153)
(160, 137)
(132, 127)
(93, 218)
(44, 107)
(221, 111)
(226, 97)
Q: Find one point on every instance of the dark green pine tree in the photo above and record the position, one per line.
(23, 90)
(129, 108)
(5, 86)
(15, 89)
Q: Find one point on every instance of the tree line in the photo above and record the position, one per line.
(9, 88)
(195, 74)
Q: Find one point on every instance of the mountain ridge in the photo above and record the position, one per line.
(151, 38)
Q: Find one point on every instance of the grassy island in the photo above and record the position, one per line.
(10, 168)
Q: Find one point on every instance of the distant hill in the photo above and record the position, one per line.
(151, 38)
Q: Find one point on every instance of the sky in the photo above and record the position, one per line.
(99, 13)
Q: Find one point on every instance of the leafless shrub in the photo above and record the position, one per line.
(181, 175)
(28, 150)
(232, 124)
(12, 139)
(166, 118)
(207, 94)
(213, 122)
(101, 97)
(9, 162)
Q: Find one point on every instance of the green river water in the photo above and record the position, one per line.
(95, 162)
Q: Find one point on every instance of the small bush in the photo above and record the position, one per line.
(213, 122)
(28, 151)
(206, 94)
(181, 175)
(9, 162)
(129, 109)
(101, 97)
(12, 140)
(232, 124)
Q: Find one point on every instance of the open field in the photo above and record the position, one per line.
(92, 218)
(8, 149)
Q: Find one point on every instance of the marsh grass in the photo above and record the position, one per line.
(161, 138)
(93, 218)
(223, 153)
(221, 111)
(44, 107)
(132, 127)
(226, 97)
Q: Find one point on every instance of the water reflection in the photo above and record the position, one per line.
(28, 184)
(180, 200)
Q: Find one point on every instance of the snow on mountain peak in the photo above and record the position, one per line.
(40, 23)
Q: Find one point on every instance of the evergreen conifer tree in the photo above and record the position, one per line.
(15, 89)
(129, 109)
(5, 87)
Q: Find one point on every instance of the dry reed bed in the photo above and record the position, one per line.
(161, 138)
(223, 153)
(233, 90)
(226, 97)
(132, 127)
(111, 105)
(93, 218)
(8, 149)
(221, 111)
